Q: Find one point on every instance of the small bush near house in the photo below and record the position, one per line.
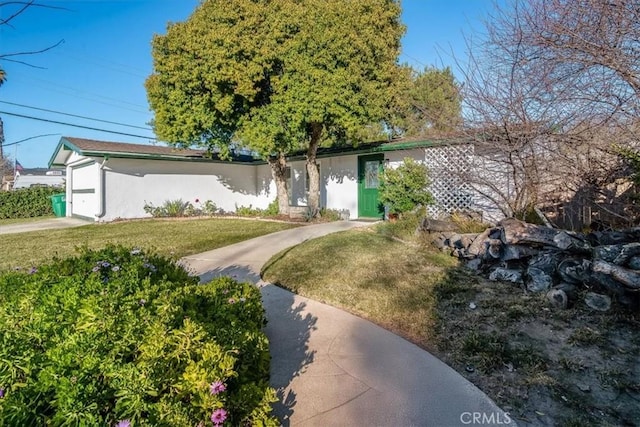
(330, 214)
(27, 202)
(118, 335)
(179, 208)
(405, 188)
(248, 211)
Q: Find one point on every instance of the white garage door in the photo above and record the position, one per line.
(84, 190)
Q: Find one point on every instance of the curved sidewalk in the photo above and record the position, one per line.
(331, 368)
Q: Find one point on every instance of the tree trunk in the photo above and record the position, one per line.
(313, 199)
(278, 172)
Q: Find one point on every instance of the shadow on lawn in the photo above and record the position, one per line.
(288, 328)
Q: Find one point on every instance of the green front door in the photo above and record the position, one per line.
(369, 168)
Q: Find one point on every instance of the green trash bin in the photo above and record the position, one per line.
(59, 204)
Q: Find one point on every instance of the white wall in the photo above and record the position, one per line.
(396, 157)
(131, 183)
(82, 179)
(340, 181)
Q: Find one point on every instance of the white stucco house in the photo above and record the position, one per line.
(113, 180)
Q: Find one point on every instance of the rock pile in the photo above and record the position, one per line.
(549, 260)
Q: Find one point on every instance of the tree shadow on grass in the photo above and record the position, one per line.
(288, 328)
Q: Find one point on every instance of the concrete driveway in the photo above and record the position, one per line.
(45, 224)
(331, 368)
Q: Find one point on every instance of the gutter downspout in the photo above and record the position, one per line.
(101, 185)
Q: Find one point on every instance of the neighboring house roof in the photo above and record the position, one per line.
(94, 148)
(41, 171)
(26, 181)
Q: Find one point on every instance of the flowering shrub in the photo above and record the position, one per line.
(119, 337)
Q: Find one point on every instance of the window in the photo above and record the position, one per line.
(371, 174)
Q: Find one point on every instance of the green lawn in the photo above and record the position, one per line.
(169, 237)
(368, 274)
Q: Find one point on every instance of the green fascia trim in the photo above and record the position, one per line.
(364, 149)
(65, 144)
(165, 157)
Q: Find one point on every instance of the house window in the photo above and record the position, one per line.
(371, 174)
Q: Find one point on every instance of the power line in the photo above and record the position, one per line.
(77, 126)
(75, 115)
(74, 94)
(27, 139)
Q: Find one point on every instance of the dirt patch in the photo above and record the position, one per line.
(573, 367)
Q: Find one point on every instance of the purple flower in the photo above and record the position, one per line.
(232, 301)
(95, 269)
(115, 268)
(197, 200)
(1, 392)
(218, 416)
(123, 423)
(135, 251)
(33, 270)
(105, 264)
(217, 387)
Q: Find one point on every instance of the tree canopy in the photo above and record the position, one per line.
(429, 104)
(275, 76)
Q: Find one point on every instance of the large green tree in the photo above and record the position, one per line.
(428, 103)
(276, 76)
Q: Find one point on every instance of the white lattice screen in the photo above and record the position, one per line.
(448, 164)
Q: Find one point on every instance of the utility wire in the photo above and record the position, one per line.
(75, 115)
(27, 139)
(74, 92)
(77, 126)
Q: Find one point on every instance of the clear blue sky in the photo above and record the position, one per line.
(100, 69)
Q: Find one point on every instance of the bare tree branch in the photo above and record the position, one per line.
(25, 6)
(33, 52)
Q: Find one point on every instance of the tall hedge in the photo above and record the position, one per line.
(27, 202)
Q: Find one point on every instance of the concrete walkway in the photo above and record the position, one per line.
(331, 368)
(45, 224)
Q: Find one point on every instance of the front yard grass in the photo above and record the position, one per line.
(368, 274)
(175, 238)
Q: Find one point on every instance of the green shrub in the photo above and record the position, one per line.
(273, 209)
(27, 202)
(248, 210)
(209, 208)
(118, 334)
(330, 214)
(170, 208)
(405, 188)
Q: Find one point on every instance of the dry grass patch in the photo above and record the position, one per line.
(368, 274)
